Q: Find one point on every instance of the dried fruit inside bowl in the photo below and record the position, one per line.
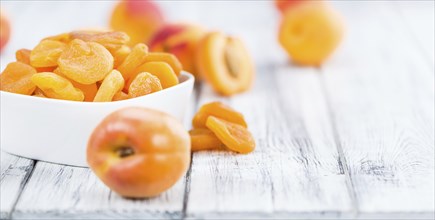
(98, 66)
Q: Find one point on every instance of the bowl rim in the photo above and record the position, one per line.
(184, 77)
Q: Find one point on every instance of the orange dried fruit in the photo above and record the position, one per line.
(39, 93)
(235, 137)
(133, 60)
(46, 53)
(120, 55)
(219, 110)
(57, 87)
(120, 96)
(85, 62)
(143, 84)
(112, 84)
(16, 78)
(64, 37)
(88, 90)
(204, 139)
(225, 63)
(23, 55)
(112, 41)
(162, 70)
(167, 58)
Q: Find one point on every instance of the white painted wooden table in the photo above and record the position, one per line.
(353, 138)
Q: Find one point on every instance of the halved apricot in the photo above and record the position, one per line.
(162, 70)
(225, 63)
(235, 137)
(217, 109)
(204, 139)
(167, 58)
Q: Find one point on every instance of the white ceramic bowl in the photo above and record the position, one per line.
(57, 131)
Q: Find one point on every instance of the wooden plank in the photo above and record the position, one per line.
(56, 191)
(381, 95)
(295, 169)
(14, 173)
(418, 18)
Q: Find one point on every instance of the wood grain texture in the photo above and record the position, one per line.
(56, 191)
(14, 174)
(294, 168)
(381, 95)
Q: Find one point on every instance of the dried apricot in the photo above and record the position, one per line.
(235, 137)
(120, 96)
(219, 110)
(16, 78)
(204, 139)
(133, 60)
(112, 84)
(88, 90)
(23, 55)
(112, 41)
(85, 62)
(162, 70)
(167, 58)
(57, 87)
(39, 93)
(64, 37)
(120, 55)
(46, 53)
(144, 83)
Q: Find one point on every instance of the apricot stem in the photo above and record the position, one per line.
(124, 151)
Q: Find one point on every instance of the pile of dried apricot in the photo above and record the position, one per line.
(92, 66)
(219, 127)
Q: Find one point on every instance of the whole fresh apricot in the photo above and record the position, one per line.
(310, 32)
(5, 30)
(139, 19)
(139, 152)
(283, 5)
(180, 40)
(225, 63)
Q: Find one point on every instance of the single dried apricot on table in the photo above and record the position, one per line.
(85, 62)
(162, 70)
(167, 58)
(133, 60)
(235, 137)
(16, 78)
(310, 32)
(143, 84)
(219, 110)
(57, 87)
(204, 139)
(89, 90)
(225, 63)
(139, 152)
(112, 84)
(46, 53)
(112, 40)
(120, 55)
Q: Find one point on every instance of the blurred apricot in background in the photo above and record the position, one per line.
(5, 30)
(310, 31)
(139, 19)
